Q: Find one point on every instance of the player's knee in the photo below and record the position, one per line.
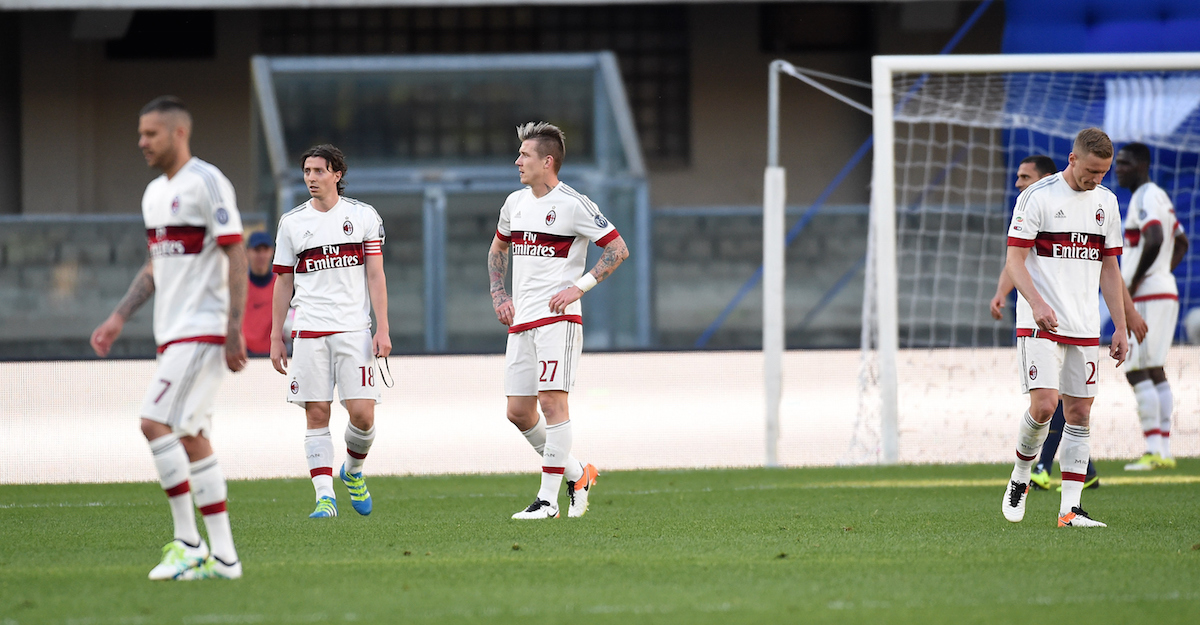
(153, 429)
(1042, 410)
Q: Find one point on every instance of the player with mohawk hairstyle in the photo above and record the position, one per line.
(546, 227)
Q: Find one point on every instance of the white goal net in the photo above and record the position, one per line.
(950, 133)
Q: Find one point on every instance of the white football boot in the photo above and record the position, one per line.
(539, 509)
(178, 558)
(1014, 501)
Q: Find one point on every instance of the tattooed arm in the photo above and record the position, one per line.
(139, 293)
(235, 344)
(497, 268)
(614, 254)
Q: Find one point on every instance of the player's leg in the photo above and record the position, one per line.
(1166, 405)
(192, 422)
(1040, 361)
(1039, 478)
(1149, 414)
(359, 392)
(311, 387)
(1079, 377)
(160, 402)
(1165, 314)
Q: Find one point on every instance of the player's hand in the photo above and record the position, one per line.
(1119, 348)
(106, 334)
(235, 352)
(504, 307)
(564, 298)
(1137, 326)
(1045, 318)
(997, 306)
(382, 344)
(279, 355)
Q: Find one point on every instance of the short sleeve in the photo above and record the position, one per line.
(373, 233)
(285, 254)
(1026, 221)
(224, 218)
(504, 224)
(591, 223)
(1161, 211)
(1114, 236)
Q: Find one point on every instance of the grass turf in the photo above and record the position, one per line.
(910, 544)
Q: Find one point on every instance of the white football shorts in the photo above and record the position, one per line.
(184, 386)
(1071, 369)
(343, 360)
(542, 359)
(1160, 315)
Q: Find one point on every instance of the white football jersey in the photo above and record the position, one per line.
(1070, 232)
(1151, 205)
(548, 237)
(328, 253)
(188, 217)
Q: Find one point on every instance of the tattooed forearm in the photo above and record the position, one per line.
(139, 292)
(614, 253)
(497, 268)
(238, 277)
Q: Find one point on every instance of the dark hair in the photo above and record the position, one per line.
(551, 141)
(164, 104)
(1042, 163)
(334, 161)
(1139, 152)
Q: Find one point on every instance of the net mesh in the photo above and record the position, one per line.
(959, 139)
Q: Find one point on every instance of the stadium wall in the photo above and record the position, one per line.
(77, 421)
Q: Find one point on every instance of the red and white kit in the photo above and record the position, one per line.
(548, 237)
(327, 252)
(1070, 232)
(188, 217)
(1157, 297)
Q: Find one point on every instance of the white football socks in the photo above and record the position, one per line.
(1149, 413)
(358, 443)
(318, 449)
(1074, 454)
(536, 435)
(554, 458)
(172, 463)
(208, 482)
(1166, 405)
(1030, 437)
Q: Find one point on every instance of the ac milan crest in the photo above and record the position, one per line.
(550, 217)
(295, 387)
(1032, 375)
(348, 227)
(175, 205)
(1099, 216)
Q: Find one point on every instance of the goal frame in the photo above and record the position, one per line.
(883, 187)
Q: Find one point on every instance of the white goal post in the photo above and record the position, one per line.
(883, 302)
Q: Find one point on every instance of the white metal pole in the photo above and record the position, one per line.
(883, 217)
(774, 199)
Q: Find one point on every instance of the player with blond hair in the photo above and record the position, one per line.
(546, 227)
(1071, 224)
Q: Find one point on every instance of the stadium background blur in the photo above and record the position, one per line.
(74, 73)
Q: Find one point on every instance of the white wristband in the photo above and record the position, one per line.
(586, 282)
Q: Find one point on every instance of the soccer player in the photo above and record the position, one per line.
(1072, 224)
(257, 328)
(1147, 272)
(197, 271)
(329, 251)
(547, 226)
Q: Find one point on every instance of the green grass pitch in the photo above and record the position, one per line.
(909, 544)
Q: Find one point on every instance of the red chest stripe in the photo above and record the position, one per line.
(330, 257)
(541, 244)
(175, 240)
(1074, 245)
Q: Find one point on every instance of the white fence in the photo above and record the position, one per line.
(77, 421)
